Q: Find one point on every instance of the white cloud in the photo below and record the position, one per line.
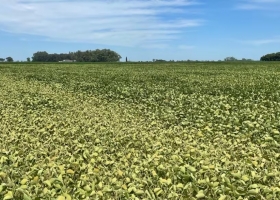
(155, 46)
(185, 47)
(111, 22)
(259, 5)
(260, 42)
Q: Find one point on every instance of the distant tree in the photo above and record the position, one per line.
(244, 59)
(230, 59)
(28, 59)
(10, 59)
(160, 60)
(104, 55)
(40, 56)
(271, 57)
(2, 59)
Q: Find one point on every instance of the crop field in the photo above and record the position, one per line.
(140, 131)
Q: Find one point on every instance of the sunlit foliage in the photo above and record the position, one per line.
(140, 131)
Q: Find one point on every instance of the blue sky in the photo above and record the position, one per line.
(141, 29)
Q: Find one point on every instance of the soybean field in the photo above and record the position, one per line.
(140, 131)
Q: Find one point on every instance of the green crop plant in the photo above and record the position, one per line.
(140, 131)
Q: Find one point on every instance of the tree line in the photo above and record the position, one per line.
(235, 59)
(8, 59)
(107, 55)
(271, 57)
(104, 55)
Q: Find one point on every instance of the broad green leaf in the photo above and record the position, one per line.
(61, 198)
(8, 195)
(200, 194)
(23, 181)
(223, 197)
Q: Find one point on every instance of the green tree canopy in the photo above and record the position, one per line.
(10, 59)
(40, 56)
(244, 59)
(271, 57)
(104, 55)
(230, 59)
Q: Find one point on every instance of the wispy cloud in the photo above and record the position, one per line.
(185, 47)
(259, 5)
(260, 42)
(155, 46)
(109, 22)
